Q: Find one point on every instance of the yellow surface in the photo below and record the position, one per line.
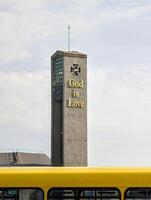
(48, 177)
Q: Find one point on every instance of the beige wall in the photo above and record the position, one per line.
(75, 119)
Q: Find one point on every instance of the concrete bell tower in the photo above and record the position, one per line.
(69, 108)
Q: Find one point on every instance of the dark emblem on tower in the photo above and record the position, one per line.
(75, 69)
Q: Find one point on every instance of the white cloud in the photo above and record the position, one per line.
(29, 29)
(119, 116)
(26, 25)
(25, 110)
(125, 10)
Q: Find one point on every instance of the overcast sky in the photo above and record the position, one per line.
(116, 35)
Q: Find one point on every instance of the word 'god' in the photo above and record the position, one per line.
(75, 84)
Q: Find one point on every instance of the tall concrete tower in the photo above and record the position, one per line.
(69, 108)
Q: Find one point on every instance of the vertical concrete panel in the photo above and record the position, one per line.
(75, 118)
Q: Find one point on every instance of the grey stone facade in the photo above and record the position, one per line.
(69, 109)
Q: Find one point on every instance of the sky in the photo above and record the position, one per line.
(116, 36)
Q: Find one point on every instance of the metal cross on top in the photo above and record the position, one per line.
(69, 27)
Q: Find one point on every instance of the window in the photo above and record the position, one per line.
(84, 194)
(21, 194)
(138, 193)
(59, 71)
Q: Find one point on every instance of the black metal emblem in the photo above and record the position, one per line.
(75, 69)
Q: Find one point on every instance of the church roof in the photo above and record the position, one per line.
(23, 159)
(69, 54)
